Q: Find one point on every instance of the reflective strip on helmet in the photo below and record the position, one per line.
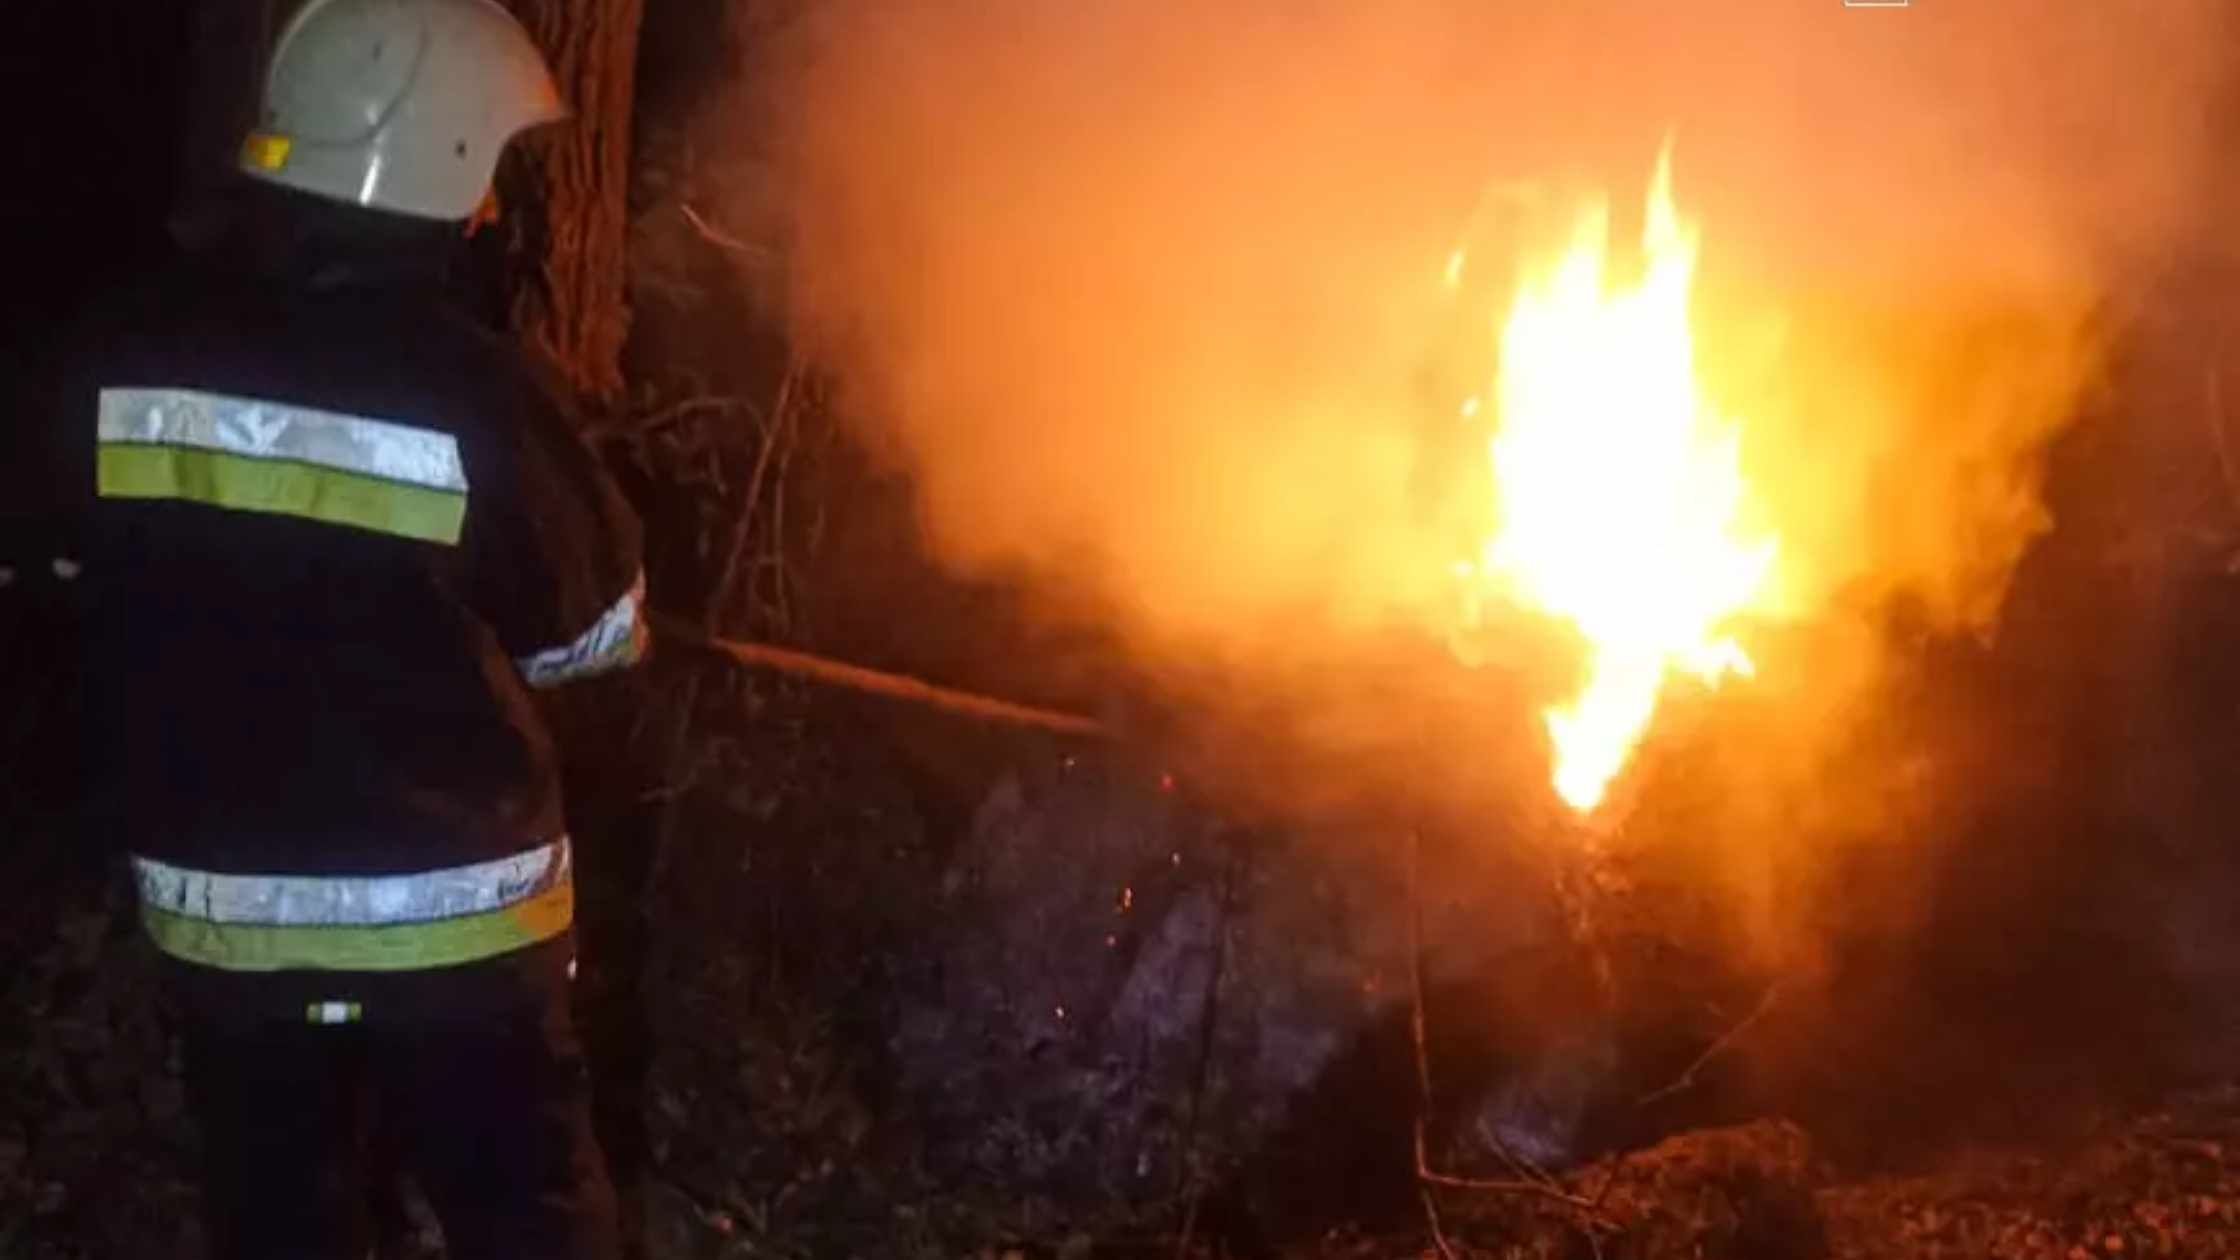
(391, 947)
(357, 923)
(616, 641)
(401, 107)
(259, 456)
(352, 900)
(265, 151)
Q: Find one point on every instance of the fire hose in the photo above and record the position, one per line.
(799, 664)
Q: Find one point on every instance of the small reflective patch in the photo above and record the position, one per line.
(265, 151)
(571, 969)
(616, 641)
(7, 576)
(67, 569)
(334, 1012)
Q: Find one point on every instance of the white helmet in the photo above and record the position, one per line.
(399, 105)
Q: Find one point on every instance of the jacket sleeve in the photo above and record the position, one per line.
(553, 550)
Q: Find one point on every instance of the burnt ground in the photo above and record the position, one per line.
(772, 1135)
(2023, 1106)
(2153, 1182)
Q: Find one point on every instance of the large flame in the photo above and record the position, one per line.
(1621, 498)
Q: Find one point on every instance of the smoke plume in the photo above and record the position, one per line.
(1147, 299)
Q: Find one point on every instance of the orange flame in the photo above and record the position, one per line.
(1620, 492)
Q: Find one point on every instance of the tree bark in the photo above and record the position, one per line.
(567, 206)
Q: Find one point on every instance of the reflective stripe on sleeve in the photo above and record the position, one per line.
(352, 900)
(616, 641)
(260, 429)
(253, 455)
(393, 947)
(352, 923)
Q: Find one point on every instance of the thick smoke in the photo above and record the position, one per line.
(1149, 303)
(1147, 299)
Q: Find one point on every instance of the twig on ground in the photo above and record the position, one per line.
(780, 610)
(1609, 1182)
(719, 238)
(1423, 1057)
(655, 421)
(1209, 1011)
(1431, 1219)
(1517, 1162)
(1527, 1172)
(1725, 1043)
(1534, 1189)
(1189, 1227)
(675, 786)
(742, 526)
(690, 406)
(2217, 435)
(1233, 872)
(2224, 458)
(1427, 1179)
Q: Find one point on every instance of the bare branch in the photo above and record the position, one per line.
(697, 405)
(1525, 1169)
(1209, 1002)
(721, 239)
(1189, 1229)
(2224, 458)
(1532, 1181)
(654, 422)
(2217, 435)
(1725, 1043)
(1431, 1219)
(742, 525)
(1554, 1194)
(878, 682)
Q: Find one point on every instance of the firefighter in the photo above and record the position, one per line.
(341, 535)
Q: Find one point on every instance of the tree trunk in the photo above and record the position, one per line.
(564, 285)
(567, 206)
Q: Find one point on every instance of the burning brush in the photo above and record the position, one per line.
(1620, 496)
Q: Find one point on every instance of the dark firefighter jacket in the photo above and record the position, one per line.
(339, 534)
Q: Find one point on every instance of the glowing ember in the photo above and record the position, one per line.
(1620, 492)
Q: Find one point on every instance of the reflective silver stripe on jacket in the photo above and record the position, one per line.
(352, 901)
(615, 641)
(268, 430)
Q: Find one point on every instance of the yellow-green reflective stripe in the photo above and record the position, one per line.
(283, 487)
(262, 428)
(389, 947)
